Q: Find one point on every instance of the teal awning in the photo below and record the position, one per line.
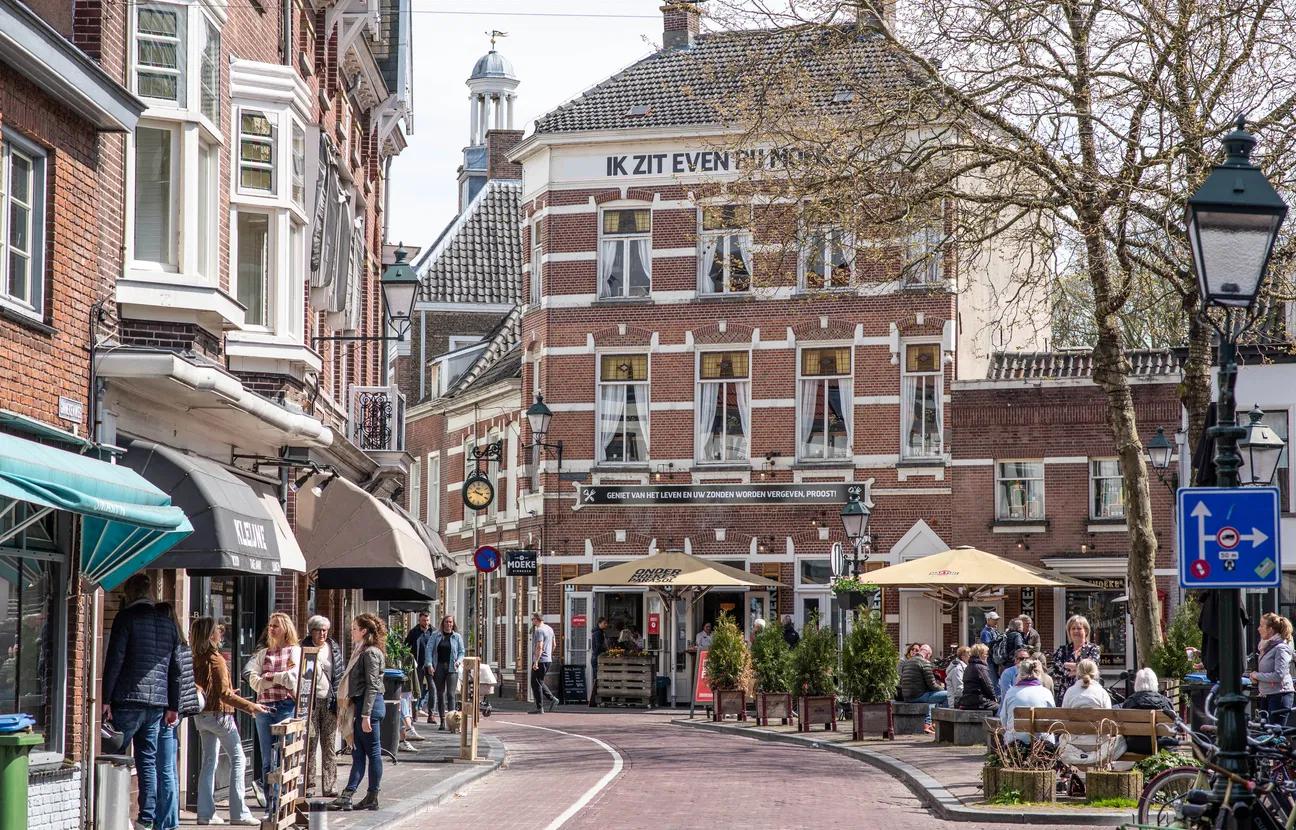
(126, 522)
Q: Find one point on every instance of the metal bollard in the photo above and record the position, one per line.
(317, 815)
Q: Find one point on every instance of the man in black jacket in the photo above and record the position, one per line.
(414, 641)
(598, 645)
(141, 683)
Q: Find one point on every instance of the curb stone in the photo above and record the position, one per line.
(929, 791)
(406, 808)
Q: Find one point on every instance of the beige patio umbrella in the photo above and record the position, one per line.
(965, 574)
(672, 576)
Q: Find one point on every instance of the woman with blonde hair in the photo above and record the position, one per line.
(1087, 692)
(217, 729)
(1027, 693)
(1067, 657)
(361, 709)
(1273, 672)
(274, 678)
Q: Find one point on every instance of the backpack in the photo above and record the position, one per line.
(999, 650)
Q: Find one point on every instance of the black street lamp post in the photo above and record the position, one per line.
(538, 416)
(1232, 225)
(855, 520)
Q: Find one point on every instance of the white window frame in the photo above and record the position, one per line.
(206, 260)
(828, 233)
(1094, 479)
(537, 272)
(1002, 513)
(415, 500)
(271, 141)
(272, 272)
(183, 40)
(813, 586)
(625, 240)
(434, 491)
(925, 256)
(702, 431)
(849, 406)
(211, 38)
(724, 239)
(171, 258)
(645, 409)
(939, 375)
(32, 302)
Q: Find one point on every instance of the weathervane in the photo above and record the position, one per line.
(494, 34)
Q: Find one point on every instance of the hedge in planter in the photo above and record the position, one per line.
(814, 663)
(870, 674)
(771, 661)
(728, 669)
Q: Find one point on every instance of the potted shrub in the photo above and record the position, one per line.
(728, 669)
(771, 661)
(1029, 772)
(853, 592)
(814, 663)
(869, 674)
(1172, 660)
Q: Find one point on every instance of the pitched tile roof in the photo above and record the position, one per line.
(678, 86)
(1144, 363)
(502, 357)
(478, 258)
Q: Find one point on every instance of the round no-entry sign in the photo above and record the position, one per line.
(486, 558)
(1227, 537)
(1200, 568)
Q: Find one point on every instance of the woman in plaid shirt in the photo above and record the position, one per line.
(274, 679)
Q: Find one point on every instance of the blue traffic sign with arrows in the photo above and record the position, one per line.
(1228, 537)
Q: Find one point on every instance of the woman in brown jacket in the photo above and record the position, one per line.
(216, 727)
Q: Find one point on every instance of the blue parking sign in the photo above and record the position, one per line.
(1228, 537)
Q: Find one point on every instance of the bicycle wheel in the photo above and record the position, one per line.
(1159, 803)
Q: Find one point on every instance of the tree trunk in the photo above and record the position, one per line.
(1195, 391)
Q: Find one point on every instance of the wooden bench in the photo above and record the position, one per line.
(960, 727)
(1128, 723)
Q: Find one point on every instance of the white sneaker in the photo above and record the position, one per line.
(411, 734)
(259, 794)
(406, 746)
(212, 820)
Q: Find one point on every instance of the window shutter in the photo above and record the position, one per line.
(325, 215)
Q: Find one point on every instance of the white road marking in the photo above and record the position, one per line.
(589, 794)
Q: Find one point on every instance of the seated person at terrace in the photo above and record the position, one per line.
(918, 684)
(1008, 677)
(1027, 693)
(978, 686)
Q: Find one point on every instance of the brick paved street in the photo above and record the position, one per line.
(671, 778)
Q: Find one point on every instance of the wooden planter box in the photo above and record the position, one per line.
(1099, 784)
(773, 705)
(1035, 785)
(869, 720)
(730, 702)
(817, 709)
(626, 680)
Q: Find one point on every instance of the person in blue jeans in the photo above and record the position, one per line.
(140, 685)
(274, 679)
(166, 816)
(918, 683)
(360, 716)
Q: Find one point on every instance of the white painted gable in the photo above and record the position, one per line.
(919, 540)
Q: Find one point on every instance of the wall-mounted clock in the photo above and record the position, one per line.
(478, 492)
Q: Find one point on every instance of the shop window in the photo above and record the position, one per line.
(155, 188)
(1019, 490)
(828, 260)
(623, 408)
(257, 132)
(921, 404)
(824, 402)
(814, 572)
(723, 407)
(31, 652)
(22, 225)
(925, 261)
(160, 52)
(625, 253)
(254, 266)
(1107, 488)
(1107, 617)
(726, 250)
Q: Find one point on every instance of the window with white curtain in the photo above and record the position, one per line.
(537, 273)
(625, 253)
(155, 194)
(208, 194)
(254, 245)
(415, 500)
(623, 408)
(827, 259)
(824, 403)
(161, 52)
(726, 248)
(22, 224)
(209, 75)
(920, 401)
(1106, 488)
(926, 266)
(298, 165)
(723, 406)
(257, 138)
(434, 491)
(1019, 490)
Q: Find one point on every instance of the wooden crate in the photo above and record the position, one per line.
(284, 781)
(626, 680)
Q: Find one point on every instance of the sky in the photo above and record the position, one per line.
(555, 57)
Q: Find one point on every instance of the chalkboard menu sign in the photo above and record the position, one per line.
(573, 684)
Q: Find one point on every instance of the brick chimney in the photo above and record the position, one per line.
(875, 13)
(498, 145)
(681, 23)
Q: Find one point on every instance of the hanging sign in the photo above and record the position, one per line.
(521, 562)
(701, 684)
(486, 558)
(1028, 602)
(699, 495)
(578, 620)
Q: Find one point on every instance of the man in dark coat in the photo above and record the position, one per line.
(141, 684)
(598, 645)
(790, 634)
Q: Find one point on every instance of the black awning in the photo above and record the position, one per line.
(233, 533)
(381, 583)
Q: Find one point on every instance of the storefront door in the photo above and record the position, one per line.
(578, 622)
(758, 608)
(920, 621)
